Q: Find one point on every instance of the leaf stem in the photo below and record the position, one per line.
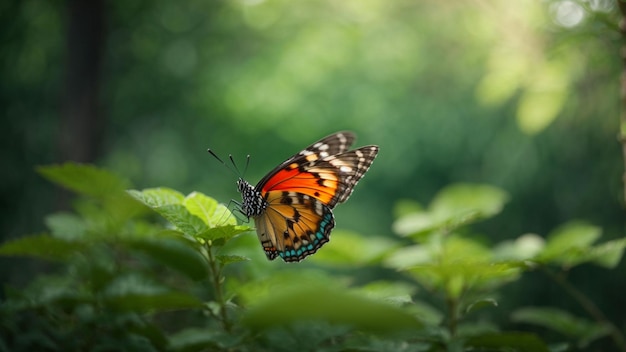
(589, 306)
(452, 304)
(217, 288)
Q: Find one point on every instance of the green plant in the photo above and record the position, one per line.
(126, 279)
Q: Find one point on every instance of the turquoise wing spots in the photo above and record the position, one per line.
(318, 240)
(294, 226)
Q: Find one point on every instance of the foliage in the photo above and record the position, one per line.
(519, 95)
(125, 279)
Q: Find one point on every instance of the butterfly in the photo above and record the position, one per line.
(292, 205)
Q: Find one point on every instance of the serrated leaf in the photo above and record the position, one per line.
(84, 179)
(176, 254)
(331, 305)
(157, 197)
(168, 203)
(223, 232)
(209, 210)
(515, 341)
(42, 247)
(180, 217)
(201, 206)
(229, 259)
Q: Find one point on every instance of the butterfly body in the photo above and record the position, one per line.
(292, 205)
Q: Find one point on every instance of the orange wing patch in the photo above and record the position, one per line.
(318, 183)
(294, 226)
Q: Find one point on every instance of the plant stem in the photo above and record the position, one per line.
(590, 307)
(217, 287)
(622, 129)
(452, 304)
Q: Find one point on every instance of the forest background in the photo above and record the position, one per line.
(519, 95)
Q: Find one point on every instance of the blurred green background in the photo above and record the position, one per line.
(522, 95)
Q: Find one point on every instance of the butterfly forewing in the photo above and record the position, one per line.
(330, 179)
(336, 143)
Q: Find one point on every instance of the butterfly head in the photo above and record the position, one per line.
(253, 204)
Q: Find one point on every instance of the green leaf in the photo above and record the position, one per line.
(455, 277)
(197, 339)
(42, 247)
(133, 293)
(176, 254)
(514, 341)
(157, 197)
(349, 248)
(453, 207)
(66, 226)
(223, 232)
(568, 244)
(84, 179)
(395, 293)
(58, 291)
(229, 259)
(607, 254)
(524, 247)
(180, 217)
(459, 199)
(315, 302)
(583, 330)
(409, 256)
(481, 303)
(208, 210)
(168, 203)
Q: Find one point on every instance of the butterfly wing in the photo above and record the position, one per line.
(325, 170)
(293, 226)
(335, 143)
(302, 191)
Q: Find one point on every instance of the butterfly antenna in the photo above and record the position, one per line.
(232, 161)
(215, 156)
(234, 170)
(247, 163)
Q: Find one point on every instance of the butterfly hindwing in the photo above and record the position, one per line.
(294, 225)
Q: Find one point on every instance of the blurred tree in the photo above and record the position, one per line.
(83, 121)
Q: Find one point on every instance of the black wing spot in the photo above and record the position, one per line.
(320, 181)
(296, 216)
(285, 199)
